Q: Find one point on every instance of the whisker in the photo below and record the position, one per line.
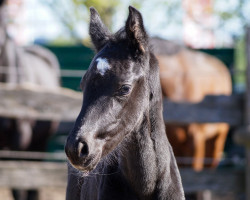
(104, 174)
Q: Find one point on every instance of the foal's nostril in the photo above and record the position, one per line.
(83, 149)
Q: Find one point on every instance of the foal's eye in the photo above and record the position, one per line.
(124, 90)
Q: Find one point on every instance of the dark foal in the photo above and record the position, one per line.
(118, 147)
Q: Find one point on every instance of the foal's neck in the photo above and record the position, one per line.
(148, 163)
(138, 162)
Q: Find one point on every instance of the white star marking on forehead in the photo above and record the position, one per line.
(102, 65)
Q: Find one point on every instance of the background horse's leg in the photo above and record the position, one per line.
(19, 194)
(219, 143)
(199, 142)
(33, 195)
(42, 130)
(25, 194)
(24, 128)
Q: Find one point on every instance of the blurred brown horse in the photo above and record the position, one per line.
(188, 76)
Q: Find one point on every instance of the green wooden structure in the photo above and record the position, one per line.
(226, 55)
(79, 57)
(75, 58)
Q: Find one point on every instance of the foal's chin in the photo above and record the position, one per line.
(87, 165)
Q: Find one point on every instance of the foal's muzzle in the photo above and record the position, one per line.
(78, 153)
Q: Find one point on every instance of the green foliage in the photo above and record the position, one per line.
(240, 63)
(106, 10)
(230, 15)
(230, 12)
(69, 16)
(75, 13)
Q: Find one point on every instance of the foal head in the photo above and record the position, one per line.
(115, 91)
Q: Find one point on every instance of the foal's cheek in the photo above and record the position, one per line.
(108, 147)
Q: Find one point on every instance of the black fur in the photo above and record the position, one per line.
(98, 32)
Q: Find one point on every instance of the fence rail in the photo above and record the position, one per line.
(35, 102)
(30, 155)
(212, 109)
(32, 175)
(51, 174)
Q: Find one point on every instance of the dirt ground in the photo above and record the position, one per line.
(44, 194)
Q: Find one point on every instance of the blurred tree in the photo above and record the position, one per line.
(69, 15)
(74, 13)
(106, 10)
(232, 16)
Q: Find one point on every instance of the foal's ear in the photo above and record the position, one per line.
(136, 31)
(98, 32)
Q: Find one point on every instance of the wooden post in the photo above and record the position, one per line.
(243, 135)
(247, 113)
